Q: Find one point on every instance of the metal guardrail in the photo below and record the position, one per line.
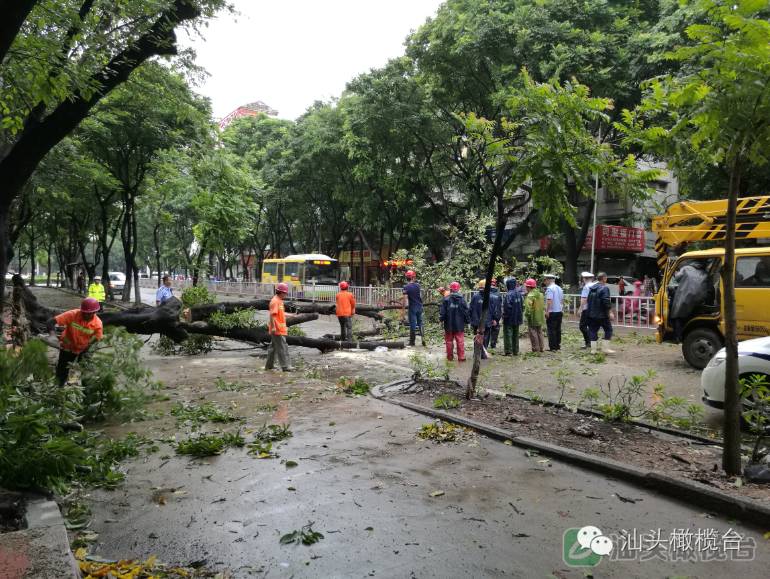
(630, 312)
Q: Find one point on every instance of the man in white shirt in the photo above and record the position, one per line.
(554, 298)
(588, 282)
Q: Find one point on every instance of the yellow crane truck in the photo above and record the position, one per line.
(702, 331)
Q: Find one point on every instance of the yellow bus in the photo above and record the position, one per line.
(301, 269)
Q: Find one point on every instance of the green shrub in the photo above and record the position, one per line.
(446, 402)
(197, 295)
(35, 449)
(113, 378)
(245, 318)
(353, 386)
(40, 443)
(424, 369)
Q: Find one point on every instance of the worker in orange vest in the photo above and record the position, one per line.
(278, 331)
(81, 329)
(346, 309)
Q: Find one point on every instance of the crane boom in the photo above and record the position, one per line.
(688, 221)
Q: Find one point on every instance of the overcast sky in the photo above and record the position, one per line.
(290, 53)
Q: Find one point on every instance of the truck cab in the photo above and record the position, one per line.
(702, 330)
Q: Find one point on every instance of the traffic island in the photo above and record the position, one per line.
(685, 467)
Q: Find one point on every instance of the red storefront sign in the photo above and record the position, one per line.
(616, 238)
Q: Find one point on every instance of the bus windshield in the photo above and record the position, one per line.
(321, 273)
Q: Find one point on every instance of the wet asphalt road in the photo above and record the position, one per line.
(366, 483)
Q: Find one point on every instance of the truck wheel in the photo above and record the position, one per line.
(700, 345)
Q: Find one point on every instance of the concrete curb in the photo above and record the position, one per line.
(42, 550)
(692, 492)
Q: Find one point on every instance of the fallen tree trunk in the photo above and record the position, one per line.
(330, 345)
(162, 320)
(360, 334)
(165, 320)
(257, 335)
(205, 311)
(260, 336)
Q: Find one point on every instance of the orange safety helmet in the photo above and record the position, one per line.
(89, 306)
(343, 285)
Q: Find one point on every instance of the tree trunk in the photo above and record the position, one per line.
(156, 245)
(134, 267)
(48, 272)
(478, 339)
(361, 257)
(204, 311)
(5, 252)
(731, 455)
(573, 243)
(32, 259)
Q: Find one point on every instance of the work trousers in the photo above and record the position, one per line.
(493, 335)
(553, 321)
(593, 328)
(511, 339)
(346, 328)
(536, 338)
(279, 349)
(584, 327)
(415, 320)
(63, 365)
(452, 338)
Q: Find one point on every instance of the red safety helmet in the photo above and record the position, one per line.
(530, 283)
(89, 306)
(454, 287)
(282, 288)
(410, 274)
(343, 285)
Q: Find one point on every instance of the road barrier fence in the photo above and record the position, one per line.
(630, 311)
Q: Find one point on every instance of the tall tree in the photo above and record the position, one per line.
(58, 59)
(154, 111)
(718, 106)
(544, 141)
(473, 50)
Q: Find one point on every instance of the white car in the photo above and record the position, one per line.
(753, 359)
(117, 281)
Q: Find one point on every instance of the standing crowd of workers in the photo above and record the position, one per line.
(520, 304)
(541, 311)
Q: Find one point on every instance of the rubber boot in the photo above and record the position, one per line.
(593, 347)
(411, 337)
(422, 338)
(603, 347)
